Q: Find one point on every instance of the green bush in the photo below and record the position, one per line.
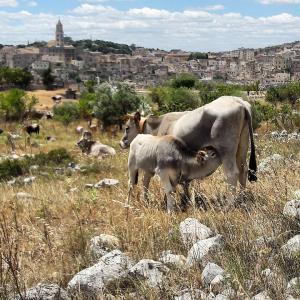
(14, 168)
(67, 112)
(15, 103)
(11, 168)
(170, 99)
(183, 80)
(262, 112)
(112, 105)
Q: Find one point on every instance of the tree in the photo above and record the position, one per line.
(66, 113)
(111, 106)
(15, 77)
(170, 99)
(184, 80)
(86, 104)
(15, 103)
(48, 78)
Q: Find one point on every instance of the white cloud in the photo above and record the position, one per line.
(188, 29)
(215, 7)
(32, 3)
(8, 3)
(266, 2)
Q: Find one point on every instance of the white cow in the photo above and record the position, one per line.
(171, 160)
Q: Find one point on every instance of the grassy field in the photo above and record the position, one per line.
(46, 238)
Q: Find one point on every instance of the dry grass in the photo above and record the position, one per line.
(46, 238)
(45, 98)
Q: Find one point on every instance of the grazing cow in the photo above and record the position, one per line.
(224, 124)
(94, 148)
(34, 128)
(171, 160)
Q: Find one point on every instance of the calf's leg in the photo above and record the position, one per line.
(147, 179)
(169, 190)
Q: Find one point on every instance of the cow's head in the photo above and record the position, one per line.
(206, 154)
(85, 143)
(132, 129)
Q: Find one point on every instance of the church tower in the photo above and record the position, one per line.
(59, 34)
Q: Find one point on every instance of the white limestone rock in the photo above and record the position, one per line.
(149, 270)
(292, 247)
(293, 287)
(103, 244)
(172, 260)
(90, 282)
(203, 250)
(210, 271)
(44, 291)
(292, 209)
(192, 231)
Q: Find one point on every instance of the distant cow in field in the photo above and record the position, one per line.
(94, 148)
(34, 128)
(171, 160)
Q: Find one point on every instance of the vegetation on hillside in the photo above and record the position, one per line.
(16, 77)
(15, 104)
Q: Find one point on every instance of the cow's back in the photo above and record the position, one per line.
(215, 124)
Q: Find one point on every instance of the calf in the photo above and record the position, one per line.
(171, 160)
(94, 148)
(34, 128)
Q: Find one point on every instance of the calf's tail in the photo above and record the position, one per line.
(252, 163)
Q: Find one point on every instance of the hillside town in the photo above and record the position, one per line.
(272, 66)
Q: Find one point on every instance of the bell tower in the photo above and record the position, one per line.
(59, 34)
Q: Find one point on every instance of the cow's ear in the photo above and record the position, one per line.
(126, 118)
(137, 117)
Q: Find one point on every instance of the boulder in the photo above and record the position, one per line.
(190, 294)
(218, 284)
(292, 209)
(29, 179)
(202, 250)
(267, 163)
(210, 271)
(103, 244)
(293, 287)
(44, 291)
(173, 260)
(149, 270)
(292, 247)
(262, 296)
(192, 231)
(91, 282)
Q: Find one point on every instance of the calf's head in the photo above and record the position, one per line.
(132, 129)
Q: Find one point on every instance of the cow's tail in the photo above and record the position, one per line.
(252, 163)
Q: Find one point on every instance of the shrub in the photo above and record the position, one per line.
(110, 106)
(169, 99)
(11, 168)
(14, 168)
(66, 113)
(262, 112)
(183, 80)
(15, 103)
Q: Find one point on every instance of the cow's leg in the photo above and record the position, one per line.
(186, 199)
(147, 178)
(133, 179)
(169, 190)
(241, 157)
(232, 174)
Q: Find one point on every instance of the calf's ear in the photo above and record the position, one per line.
(201, 156)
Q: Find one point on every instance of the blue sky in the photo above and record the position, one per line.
(202, 25)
